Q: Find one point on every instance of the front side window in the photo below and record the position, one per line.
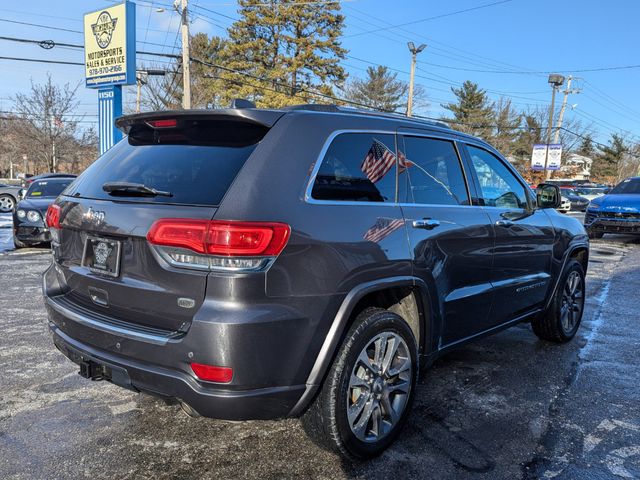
(430, 173)
(358, 167)
(498, 186)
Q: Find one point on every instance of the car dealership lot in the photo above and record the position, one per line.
(509, 406)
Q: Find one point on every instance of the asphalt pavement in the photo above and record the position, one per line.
(506, 407)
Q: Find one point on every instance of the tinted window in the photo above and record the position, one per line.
(630, 185)
(431, 173)
(47, 188)
(499, 187)
(194, 174)
(358, 167)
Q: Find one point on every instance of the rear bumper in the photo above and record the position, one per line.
(267, 348)
(259, 404)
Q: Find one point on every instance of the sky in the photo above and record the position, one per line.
(508, 47)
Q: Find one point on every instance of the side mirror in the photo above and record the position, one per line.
(548, 196)
(22, 193)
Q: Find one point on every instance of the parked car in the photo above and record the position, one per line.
(8, 197)
(305, 261)
(27, 181)
(29, 227)
(578, 203)
(565, 205)
(590, 193)
(616, 212)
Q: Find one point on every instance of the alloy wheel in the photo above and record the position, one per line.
(572, 302)
(379, 387)
(6, 204)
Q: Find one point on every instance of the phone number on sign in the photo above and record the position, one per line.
(105, 70)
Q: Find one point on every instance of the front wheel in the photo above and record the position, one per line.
(562, 319)
(7, 203)
(367, 394)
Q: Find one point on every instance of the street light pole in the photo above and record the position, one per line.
(414, 52)
(142, 78)
(555, 81)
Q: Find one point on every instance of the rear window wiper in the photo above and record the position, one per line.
(128, 188)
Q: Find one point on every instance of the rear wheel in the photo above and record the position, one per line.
(367, 394)
(7, 203)
(561, 321)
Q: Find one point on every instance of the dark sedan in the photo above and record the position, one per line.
(616, 212)
(29, 227)
(578, 203)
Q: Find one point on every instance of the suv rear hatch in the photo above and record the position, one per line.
(171, 165)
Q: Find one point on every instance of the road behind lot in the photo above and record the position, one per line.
(509, 406)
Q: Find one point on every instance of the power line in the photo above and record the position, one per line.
(413, 22)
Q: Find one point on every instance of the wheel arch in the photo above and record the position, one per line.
(407, 296)
(578, 251)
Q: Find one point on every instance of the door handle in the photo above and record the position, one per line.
(426, 224)
(504, 223)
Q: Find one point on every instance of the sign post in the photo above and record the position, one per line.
(110, 62)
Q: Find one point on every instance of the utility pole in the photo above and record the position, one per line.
(567, 91)
(555, 81)
(186, 69)
(414, 52)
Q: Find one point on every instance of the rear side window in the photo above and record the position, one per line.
(194, 171)
(358, 167)
(431, 173)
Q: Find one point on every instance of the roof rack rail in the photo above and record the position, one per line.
(330, 107)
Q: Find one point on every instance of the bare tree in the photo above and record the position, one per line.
(47, 123)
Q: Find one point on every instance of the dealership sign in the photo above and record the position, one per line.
(540, 156)
(110, 46)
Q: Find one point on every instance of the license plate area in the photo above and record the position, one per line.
(102, 255)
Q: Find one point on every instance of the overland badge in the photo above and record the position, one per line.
(103, 29)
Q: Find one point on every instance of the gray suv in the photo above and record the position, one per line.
(301, 262)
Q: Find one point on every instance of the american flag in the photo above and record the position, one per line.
(382, 229)
(380, 160)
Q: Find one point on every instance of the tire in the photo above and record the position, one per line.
(561, 321)
(7, 203)
(594, 234)
(18, 244)
(384, 399)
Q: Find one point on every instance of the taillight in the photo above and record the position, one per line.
(52, 219)
(211, 373)
(226, 245)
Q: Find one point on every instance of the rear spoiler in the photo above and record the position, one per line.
(259, 117)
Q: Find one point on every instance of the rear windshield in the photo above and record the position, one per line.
(630, 185)
(194, 174)
(47, 188)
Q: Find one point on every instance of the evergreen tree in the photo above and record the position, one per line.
(605, 165)
(473, 112)
(528, 136)
(293, 45)
(586, 148)
(507, 121)
(381, 90)
(165, 93)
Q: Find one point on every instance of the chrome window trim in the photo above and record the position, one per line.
(323, 151)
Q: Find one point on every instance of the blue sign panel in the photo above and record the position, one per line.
(109, 108)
